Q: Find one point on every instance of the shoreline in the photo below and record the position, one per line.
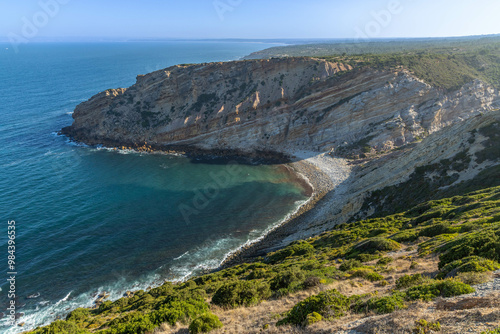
(321, 184)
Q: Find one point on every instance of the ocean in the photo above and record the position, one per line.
(92, 219)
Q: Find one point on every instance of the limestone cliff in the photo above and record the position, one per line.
(275, 105)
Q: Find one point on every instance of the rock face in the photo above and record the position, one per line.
(278, 105)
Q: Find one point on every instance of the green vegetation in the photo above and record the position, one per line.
(496, 331)
(407, 281)
(469, 264)
(61, 327)
(329, 304)
(241, 293)
(313, 318)
(332, 304)
(205, 323)
(383, 305)
(424, 327)
(445, 288)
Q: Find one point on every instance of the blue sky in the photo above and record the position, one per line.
(131, 19)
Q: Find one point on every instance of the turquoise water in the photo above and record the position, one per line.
(90, 219)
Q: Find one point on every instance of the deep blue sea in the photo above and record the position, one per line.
(91, 219)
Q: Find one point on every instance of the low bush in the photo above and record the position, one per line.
(241, 293)
(406, 236)
(444, 288)
(312, 282)
(78, 315)
(175, 311)
(296, 249)
(205, 323)
(483, 243)
(328, 304)
(473, 278)
(437, 229)
(366, 273)
(385, 261)
(350, 264)
(312, 318)
(288, 280)
(469, 264)
(425, 327)
(386, 304)
(131, 323)
(407, 281)
(495, 331)
(377, 244)
(61, 327)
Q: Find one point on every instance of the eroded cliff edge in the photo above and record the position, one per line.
(275, 105)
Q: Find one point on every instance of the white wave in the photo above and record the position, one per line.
(64, 299)
(180, 257)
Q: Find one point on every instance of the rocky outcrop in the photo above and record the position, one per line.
(275, 105)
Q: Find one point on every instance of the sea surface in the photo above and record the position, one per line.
(91, 219)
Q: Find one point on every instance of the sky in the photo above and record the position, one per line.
(247, 19)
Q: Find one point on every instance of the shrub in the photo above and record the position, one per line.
(437, 229)
(472, 278)
(61, 327)
(407, 281)
(495, 331)
(176, 310)
(424, 327)
(482, 243)
(350, 264)
(385, 261)
(241, 293)
(287, 279)
(329, 304)
(311, 282)
(368, 257)
(367, 273)
(406, 236)
(163, 290)
(205, 323)
(313, 318)
(131, 323)
(259, 273)
(78, 315)
(296, 249)
(377, 244)
(387, 304)
(445, 288)
(469, 264)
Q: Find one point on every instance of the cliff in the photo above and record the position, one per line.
(277, 105)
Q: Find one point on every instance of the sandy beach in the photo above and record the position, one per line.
(324, 173)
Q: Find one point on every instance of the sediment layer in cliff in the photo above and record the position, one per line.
(278, 105)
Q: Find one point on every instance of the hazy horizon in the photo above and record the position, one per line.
(71, 21)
